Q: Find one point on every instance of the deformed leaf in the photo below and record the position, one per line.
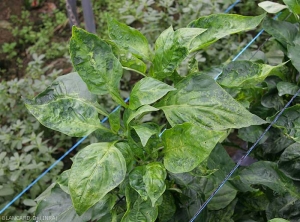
(145, 131)
(187, 145)
(128, 38)
(271, 7)
(267, 174)
(199, 99)
(289, 122)
(96, 64)
(289, 161)
(221, 25)
(147, 91)
(96, 170)
(67, 106)
(154, 180)
(244, 74)
(223, 215)
(171, 47)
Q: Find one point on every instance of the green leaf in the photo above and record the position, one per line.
(245, 74)
(171, 47)
(294, 5)
(127, 59)
(293, 54)
(115, 120)
(141, 211)
(287, 88)
(128, 38)
(133, 114)
(127, 153)
(278, 220)
(222, 199)
(271, 7)
(252, 133)
(95, 62)
(136, 181)
(199, 99)
(63, 180)
(187, 145)
(224, 215)
(289, 161)
(289, 122)
(168, 208)
(147, 91)
(221, 25)
(282, 31)
(267, 174)
(284, 207)
(149, 181)
(58, 207)
(96, 170)
(145, 131)
(68, 107)
(154, 180)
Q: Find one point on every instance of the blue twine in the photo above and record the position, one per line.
(231, 6)
(243, 157)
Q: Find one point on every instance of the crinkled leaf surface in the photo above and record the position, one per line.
(289, 161)
(96, 64)
(171, 47)
(271, 7)
(154, 180)
(147, 91)
(267, 174)
(127, 153)
(58, 205)
(287, 88)
(96, 170)
(244, 74)
(145, 131)
(284, 32)
(187, 145)
(221, 25)
(294, 5)
(223, 215)
(199, 99)
(67, 106)
(289, 122)
(127, 59)
(128, 38)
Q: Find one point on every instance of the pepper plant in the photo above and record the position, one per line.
(163, 170)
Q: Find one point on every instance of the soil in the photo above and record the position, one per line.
(9, 68)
